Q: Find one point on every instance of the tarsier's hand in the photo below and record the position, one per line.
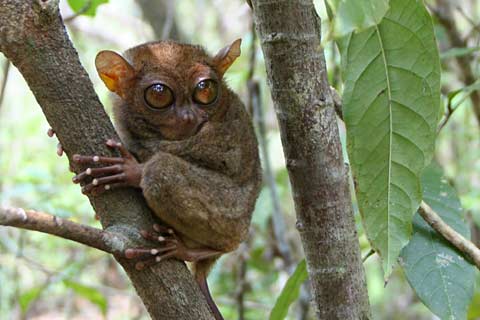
(124, 171)
(51, 133)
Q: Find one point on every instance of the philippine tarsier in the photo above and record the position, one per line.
(188, 143)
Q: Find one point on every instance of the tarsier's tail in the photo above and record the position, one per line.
(200, 270)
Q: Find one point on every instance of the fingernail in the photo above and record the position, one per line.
(95, 182)
(107, 187)
(161, 239)
(75, 179)
(89, 171)
(158, 259)
(96, 158)
(154, 252)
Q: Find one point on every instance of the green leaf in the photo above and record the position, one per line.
(474, 311)
(442, 278)
(87, 7)
(28, 297)
(391, 109)
(458, 52)
(290, 292)
(356, 15)
(89, 293)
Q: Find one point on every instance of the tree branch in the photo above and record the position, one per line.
(43, 222)
(34, 39)
(444, 14)
(289, 32)
(452, 236)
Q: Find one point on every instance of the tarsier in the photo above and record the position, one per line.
(188, 143)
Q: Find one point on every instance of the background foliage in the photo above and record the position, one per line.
(43, 277)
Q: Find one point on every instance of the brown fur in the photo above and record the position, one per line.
(203, 184)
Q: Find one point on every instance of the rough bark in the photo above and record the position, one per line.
(33, 38)
(47, 223)
(290, 36)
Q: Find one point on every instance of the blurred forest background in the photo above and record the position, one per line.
(43, 277)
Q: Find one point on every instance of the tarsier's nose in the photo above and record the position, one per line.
(187, 115)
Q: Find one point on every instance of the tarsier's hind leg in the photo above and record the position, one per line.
(171, 246)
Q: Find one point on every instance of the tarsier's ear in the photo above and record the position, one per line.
(225, 57)
(114, 70)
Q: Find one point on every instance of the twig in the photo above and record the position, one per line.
(82, 10)
(452, 108)
(475, 26)
(251, 68)
(43, 222)
(460, 242)
(337, 102)
(6, 70)
(446, 118)
(242, 285)
(443, 12)
(368, 255)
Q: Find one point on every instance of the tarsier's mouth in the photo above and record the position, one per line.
(200, 126)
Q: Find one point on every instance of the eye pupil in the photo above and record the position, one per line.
(205, 92)
(159, 96)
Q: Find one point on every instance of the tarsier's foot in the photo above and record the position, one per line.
(51, 133)
(171, 247)
(117, 171)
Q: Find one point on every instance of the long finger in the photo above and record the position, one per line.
(163, 229)
(97, 190)
(139, 253)
(96, 172)
(119, 146)
(59, 149)
(109, 179)
(153, 236)
(50, 132)
(97, 159)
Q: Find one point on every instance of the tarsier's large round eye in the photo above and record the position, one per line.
(205, 92)
(158, 96)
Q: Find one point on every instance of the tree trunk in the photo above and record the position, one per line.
(33, 38)
(161, 16)
(290, 36)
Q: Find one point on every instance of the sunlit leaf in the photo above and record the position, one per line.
(356, 15)
(442, 278)
(391, 109)
(89, 293)
(474, 310)
(86, 7)
(28, 297)
(290, 292)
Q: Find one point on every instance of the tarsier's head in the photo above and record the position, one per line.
(172, 89)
